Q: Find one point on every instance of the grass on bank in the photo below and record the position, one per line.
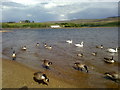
(47, 25)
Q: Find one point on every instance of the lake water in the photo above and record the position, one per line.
(64, 55)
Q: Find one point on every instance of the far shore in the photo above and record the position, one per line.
(4, 29)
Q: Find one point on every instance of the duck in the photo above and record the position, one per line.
(101, 47)
(49, 47)
(109, 60)
(41, 78)
(45, 45)
(80, 54)
(37, 44)
(24, 48)
(79, 45)
(47, 63)
(94, 53)
(81, 66)
(69, 41)
(111, 50)
(112, 75)
(14, 56)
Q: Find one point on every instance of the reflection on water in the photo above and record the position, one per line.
(63, 55)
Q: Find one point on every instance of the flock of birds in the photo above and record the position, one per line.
(41, 77)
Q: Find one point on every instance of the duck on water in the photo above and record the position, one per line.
(81, 66)
(109, 60)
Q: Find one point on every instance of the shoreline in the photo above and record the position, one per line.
(17, 75)
(56, 28)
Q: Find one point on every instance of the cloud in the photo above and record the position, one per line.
(12, 4)
(54, 10)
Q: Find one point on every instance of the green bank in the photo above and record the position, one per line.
(106, 22)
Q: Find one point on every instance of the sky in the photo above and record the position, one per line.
(57, 10)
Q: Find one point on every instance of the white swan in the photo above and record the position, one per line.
(69, 41)
(79, 45)
(112, 50)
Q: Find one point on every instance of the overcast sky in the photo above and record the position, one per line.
(57, 10)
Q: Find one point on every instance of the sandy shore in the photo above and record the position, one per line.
(16, 75)
(5, 31)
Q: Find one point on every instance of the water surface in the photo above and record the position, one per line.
(63, 55)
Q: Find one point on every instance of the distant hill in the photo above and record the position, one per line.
(77, 21)
(105, 22)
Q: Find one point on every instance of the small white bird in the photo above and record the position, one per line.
(111, 50)
(69, 41)
(79, 45)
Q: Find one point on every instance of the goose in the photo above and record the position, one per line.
(49, 47)
(81, 66)
(112, 75)
(94, 53)
(24, 48)
(101, 47)
(111, 50)
(69, 41)
(37, 44)
(14, 56)
(109, 60)
(79, 45)
(45, 45)
(47, 63)
(80, 54)
(41, 78)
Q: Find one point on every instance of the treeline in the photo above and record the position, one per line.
(47, 25)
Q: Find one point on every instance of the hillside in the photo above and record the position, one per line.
(105, 22)
(77, 21)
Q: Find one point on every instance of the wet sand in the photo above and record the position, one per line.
(16, 75)
(5, 31)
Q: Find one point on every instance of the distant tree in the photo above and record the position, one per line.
(32, 21)
(27, 21)
(11, 22)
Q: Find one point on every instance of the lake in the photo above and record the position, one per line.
(64, 55)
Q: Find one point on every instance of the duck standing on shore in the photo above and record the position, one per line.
(113, 76)
(14, 56)
(47, 64)
(81, 66)
(41, 78)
